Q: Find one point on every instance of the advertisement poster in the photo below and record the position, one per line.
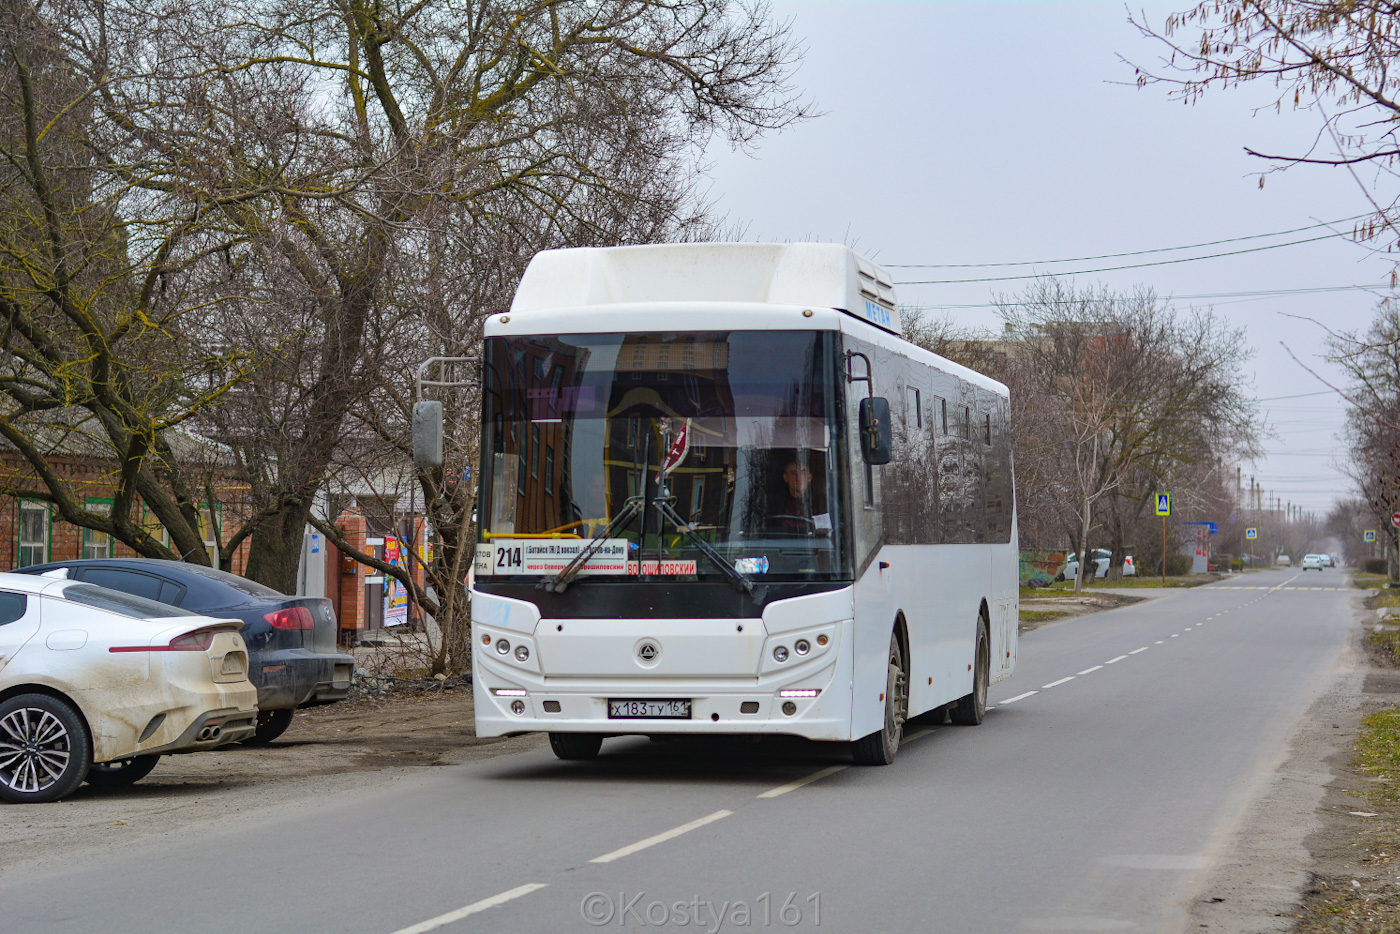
(395, 593)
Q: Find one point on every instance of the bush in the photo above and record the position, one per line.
(1373, 565)
(1178, 564)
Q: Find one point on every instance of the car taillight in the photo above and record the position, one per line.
(292, 617)
(197, 641)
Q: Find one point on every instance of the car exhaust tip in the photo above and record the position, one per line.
(210, 733)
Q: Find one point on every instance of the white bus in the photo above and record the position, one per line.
(720, 494)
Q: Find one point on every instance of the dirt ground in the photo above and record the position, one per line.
(1355, 883)
(1036, 612)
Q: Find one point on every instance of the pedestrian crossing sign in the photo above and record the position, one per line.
(1164, 504)
(1369, 535)
(1251, 533)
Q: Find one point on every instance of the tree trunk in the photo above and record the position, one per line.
(1085, 522)
(275, 548)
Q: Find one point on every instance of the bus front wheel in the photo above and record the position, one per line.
(575, 745)
(879, 747)
(971, 708)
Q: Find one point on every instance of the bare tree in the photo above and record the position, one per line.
(101, 295)
(301, 154)
(1336, 58)
(1137, 388)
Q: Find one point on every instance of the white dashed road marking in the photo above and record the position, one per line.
(1056, 683)
(1012, 700)
(1135, 651)
(1118, 659)
(473, 908)
(661, 837)
(815, 776)
(1087, 670)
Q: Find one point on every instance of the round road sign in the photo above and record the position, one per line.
(1395, 519)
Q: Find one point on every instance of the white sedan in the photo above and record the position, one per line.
(1314, 562)
(96, 685)
(1102, 557)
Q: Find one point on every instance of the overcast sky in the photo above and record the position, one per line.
(994, 132)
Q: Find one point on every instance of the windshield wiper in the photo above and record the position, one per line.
(560, 581)
(740, 582)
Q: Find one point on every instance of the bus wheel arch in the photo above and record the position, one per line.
(969, 709)
(879, 748)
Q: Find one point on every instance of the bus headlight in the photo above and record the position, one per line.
(802, 646)
(780, 653)
(502, 647)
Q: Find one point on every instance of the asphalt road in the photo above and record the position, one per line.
(1095, 797)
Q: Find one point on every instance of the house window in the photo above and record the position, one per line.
(33, 533)
(535, 451)
(152, 526)
(548, 471)
(97, 544)
(209, 531)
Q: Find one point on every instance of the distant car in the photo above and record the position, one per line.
(294, 661)
(1329, 561)
(1102, 559)
(97, 685)
(1314, 562)
(1283, 561)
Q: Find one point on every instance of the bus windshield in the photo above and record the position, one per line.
(674, 451)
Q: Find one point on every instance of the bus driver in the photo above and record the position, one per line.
(795, 514)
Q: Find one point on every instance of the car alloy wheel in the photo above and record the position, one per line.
(44, 751)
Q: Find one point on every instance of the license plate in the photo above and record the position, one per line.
(649, 709)
(233, 665)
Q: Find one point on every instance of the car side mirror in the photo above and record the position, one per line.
(875, 435)
(427, 434)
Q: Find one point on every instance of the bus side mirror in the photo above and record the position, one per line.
(427, 434)
(875, 443)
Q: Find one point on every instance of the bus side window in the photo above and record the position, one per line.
(989, 430)
(967, 424)
(943, 407)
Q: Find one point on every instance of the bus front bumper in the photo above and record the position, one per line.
(813, 702)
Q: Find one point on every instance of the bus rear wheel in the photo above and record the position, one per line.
(879, 747)
(576, 745)
(971, 708)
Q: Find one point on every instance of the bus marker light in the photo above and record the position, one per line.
(780, 653)
(821, 640)
(799, 692)
(486, 639)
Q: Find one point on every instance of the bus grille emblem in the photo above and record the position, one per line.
(648, 651)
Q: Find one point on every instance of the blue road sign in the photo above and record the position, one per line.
(1164, 504)
(1369, 535)
(1251, 533)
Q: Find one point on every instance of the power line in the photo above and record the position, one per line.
(1163, 249)
(1259, 293)
(1301, 395)
(1081, 272)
